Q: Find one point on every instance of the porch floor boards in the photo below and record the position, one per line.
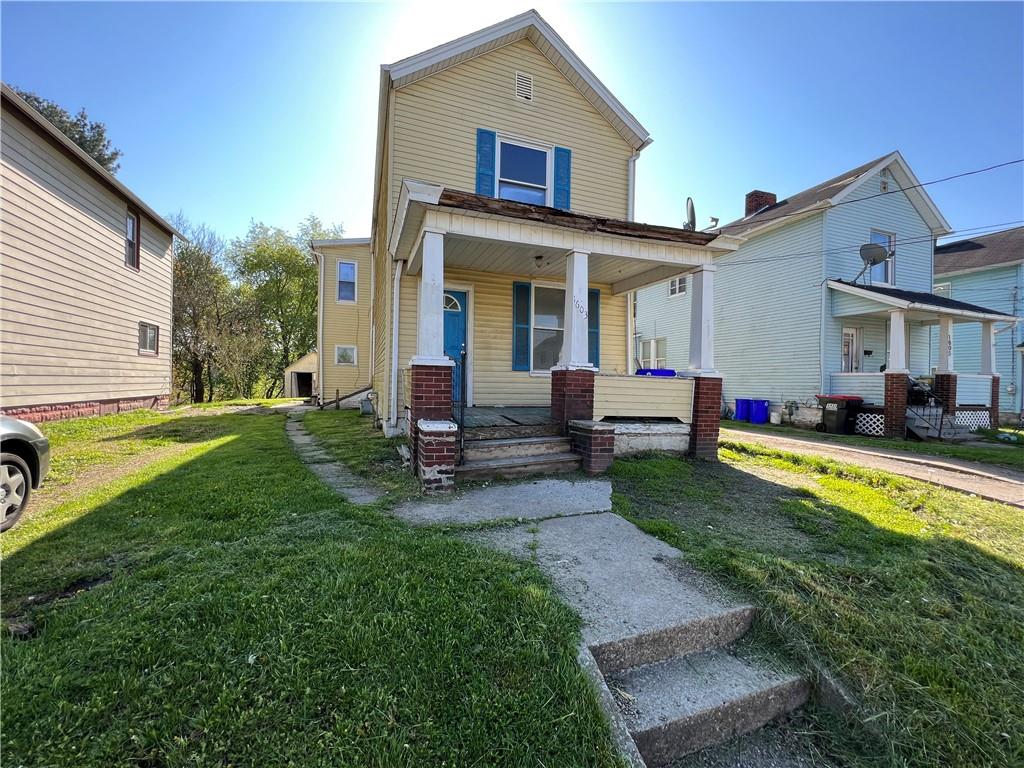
(507, 416)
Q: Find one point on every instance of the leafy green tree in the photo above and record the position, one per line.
(88, 134)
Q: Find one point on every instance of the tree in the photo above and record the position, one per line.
(88, 134)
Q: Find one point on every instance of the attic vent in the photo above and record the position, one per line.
(524, 86)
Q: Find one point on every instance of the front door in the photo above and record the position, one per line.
(455, 336)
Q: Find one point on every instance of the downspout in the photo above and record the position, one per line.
(631, 185)
(319, 323)
(395, 296)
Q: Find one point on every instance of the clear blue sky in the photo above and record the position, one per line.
(238, 111)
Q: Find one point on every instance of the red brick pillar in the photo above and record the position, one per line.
(430, 398)
(594, 441)
(994, 404)
(945, 390)
(436, 445)
(572, 396)
(896, 404)
(707, 415)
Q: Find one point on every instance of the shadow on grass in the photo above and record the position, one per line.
(861, 572)
(252, 617)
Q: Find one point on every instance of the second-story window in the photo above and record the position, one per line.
(131, 240)
(885, 272)
(347, 281)
(523, 173)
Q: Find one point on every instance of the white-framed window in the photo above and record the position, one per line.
(131, 240)
(884, 273)
(853, 353)
(943, 289)
(548, 324)
(654, 353)
(149, 339)
(524, 172)
(677, 286)
(347, 271)
(345, 354)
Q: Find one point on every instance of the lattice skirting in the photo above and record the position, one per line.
(871, 424)
(973, 419)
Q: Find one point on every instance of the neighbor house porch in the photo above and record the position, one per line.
(901, 389)
(504, 304)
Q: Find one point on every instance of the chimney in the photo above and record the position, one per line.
(757, 200)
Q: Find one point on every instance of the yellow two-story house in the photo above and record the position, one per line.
(503, 255)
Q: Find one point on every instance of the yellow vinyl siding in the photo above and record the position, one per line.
(490, 331)
(435, 123)
(643, 396)
(345, 323)
(70, 306)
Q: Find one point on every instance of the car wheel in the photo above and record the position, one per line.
(15, 489)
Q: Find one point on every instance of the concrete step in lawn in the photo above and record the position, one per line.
(676, 707)
(518, 466)
(516, 447)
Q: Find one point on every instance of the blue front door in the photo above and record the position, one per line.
(455, 336)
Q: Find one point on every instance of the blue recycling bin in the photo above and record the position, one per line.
(742, 409)
(655, 372)
(758, 411)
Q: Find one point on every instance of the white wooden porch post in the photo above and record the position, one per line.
(945, 345)
(988, 348)
(702, 320)
(897, 342)
(575, 352)
(430, 323)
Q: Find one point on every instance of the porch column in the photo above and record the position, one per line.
(897, 342)
(430, 396)
(572, 380)
(707, 383)
(945, 376)
(702, 320)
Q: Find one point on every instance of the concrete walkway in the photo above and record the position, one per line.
(334, 474)
(985, 480)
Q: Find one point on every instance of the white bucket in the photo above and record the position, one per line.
(775, 417)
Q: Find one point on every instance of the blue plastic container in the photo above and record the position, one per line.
(655, 372)
(758, 411)
(742, 409)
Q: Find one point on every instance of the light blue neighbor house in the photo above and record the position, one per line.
(797, 315)
(987, 269)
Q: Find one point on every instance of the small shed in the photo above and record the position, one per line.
(300, 378)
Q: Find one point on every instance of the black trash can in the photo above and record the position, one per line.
(839, 413)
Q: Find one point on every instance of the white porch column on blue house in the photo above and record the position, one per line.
(897, 342)
(575, 350)
(988, 348)
(945, 345)
(430, 320)
(702, 320)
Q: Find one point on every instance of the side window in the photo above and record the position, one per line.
(943, 289)
(149, 339)
(347, 281)
(345, 354)
(131, 240)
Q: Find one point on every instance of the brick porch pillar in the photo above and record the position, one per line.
(572, 396)
(945, 390)
(896, 404)
(994, 403)
(430, 399)
(595, 442)
(435, 454)
(707, 416)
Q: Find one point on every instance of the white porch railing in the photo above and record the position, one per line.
(643, 397)
(870, 386)
(973, 389)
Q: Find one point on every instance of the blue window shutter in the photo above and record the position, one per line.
(520, 326)
(594, 326)
(486, 144)
(561, 197)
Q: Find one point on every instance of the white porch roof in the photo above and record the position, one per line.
(491, 235)
(928, 308)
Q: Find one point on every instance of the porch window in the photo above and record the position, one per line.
(654, 353)
(852, 350)
(347, 281)
(523, 173)
(548, 326)
(885, 272)
(677, 286)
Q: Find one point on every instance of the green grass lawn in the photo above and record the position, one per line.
(912, 595)
(998, 452)
(220, 606)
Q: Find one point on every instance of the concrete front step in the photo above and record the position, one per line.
(511, 447)
(519, 466)
(676, 707)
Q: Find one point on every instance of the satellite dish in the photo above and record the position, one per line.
(872, 254)
(691, 216)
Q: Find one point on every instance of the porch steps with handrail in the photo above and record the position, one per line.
(924, 424)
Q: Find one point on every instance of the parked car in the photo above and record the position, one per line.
(24, 462)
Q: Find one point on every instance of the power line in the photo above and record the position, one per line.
(744, 222)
